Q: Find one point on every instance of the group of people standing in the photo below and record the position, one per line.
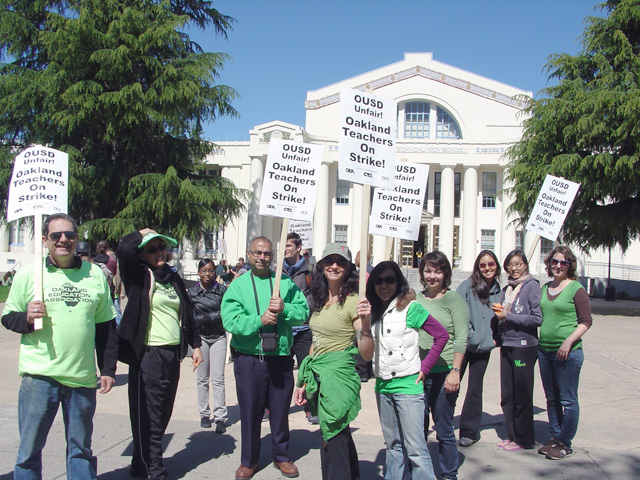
(421, 344)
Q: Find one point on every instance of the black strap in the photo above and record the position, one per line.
(255, 292)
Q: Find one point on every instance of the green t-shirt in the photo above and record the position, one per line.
(332, 327)
(559, 317)
(76, 300)
(453, 314)
(416, 316)
(164, 320)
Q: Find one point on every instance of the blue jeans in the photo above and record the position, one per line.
(442, 405)
(38, 402)
(402, 422)
(560, 381)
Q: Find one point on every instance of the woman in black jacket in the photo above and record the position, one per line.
(206, 297)
(156, 328)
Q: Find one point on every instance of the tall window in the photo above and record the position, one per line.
(546, 246)
(416, 119)
(489, 189)
(488, 240)
(342, 192)
(437, 185)
(446, 127)
(16, 233)
(341, 234)
(520, 240)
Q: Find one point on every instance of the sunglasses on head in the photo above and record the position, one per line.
(563, 263)
(56, 236)
(389, 280)
(488, 264)
(159, 248)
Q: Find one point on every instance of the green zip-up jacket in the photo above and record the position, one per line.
(335, 373)
(241, 316)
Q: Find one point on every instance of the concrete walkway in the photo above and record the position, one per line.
(607, 445)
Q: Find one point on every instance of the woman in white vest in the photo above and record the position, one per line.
(396, 318)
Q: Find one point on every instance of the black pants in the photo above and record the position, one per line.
(262, 384)
(516, 381)
(152, 392)
(339, 458)
(301, 345)
(471, 415)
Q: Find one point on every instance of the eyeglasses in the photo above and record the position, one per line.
(329, 261)
(160, 248)
(515, 266)
(259, 253)
(563, 263)
(390, 280)
(207, 272)
(488, 264)
(56, 236)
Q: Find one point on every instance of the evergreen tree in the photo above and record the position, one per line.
(586, 128)
(120, 86)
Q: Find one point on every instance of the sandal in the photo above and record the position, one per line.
(503, 442)
(511, 447)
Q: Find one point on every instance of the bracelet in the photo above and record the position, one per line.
(366, 334)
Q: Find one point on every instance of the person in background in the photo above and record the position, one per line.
(241, 267)
(57, 362)
(297, 268)
(443, 382)
(480, 291)
(156, 328)
(206, 298)
(83, 250)
(566, 317)
(396, 318)
(222, 271)
(519, 317)
(327, 378)
(102, 248)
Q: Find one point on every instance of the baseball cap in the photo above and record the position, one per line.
(337, 249)
(172, 242)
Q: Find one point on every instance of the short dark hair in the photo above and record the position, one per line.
(204, 262)
(57, 216)
(515, 253)
(440, 260)
(297, 241)
(568, 256)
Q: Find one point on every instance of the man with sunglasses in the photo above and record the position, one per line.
(57, 362)
(260, 321)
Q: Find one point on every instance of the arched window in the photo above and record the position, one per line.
(446, 126)
(416, 119)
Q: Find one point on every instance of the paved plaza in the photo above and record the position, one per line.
(607, 445)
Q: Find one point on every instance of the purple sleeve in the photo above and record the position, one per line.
(440, 338)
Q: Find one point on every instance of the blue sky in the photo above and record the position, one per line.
(281, 49)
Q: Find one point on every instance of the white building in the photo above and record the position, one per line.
(457, 122)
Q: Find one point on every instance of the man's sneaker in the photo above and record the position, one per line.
(265, 415)
(559, 451)
(220, 426)
(544, 449)
(205, 422)
(467, 442)
(311, 419)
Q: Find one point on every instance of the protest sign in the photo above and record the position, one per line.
(39, 183)
(367, 138)
(397, 212)
(551, 207)
(291, 180)
(305, 230)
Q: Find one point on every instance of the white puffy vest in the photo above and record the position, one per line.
(397, 353)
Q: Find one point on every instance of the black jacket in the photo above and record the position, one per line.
(136, 276)
(206, 309)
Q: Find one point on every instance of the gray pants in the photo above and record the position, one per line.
(212, 366)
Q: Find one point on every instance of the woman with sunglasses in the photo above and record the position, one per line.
(566, 316)
(442, 384)
(156, 328)
(480, 291)
(396, 319)
(327, 377)
(206, 297)
(519, 317)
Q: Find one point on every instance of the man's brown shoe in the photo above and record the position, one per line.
(243, 473)
(288, 469)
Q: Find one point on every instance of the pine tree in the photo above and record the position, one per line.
(120, 86)
(586, 128)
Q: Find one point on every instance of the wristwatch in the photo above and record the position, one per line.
(455, 369)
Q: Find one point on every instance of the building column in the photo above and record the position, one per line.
(4, 238)
(447, 209)
(321, 217)
(30, 239)
(469, 223)
(356, 218)
(254, 220)
(379, 249)
(507, 232)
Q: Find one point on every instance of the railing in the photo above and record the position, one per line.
(619, 271)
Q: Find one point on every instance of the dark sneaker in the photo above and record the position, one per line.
(559, 451)
(544, 449)
(311, 419)
(205, 422)
(467, 442)
(265, 415)
(220, 426)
